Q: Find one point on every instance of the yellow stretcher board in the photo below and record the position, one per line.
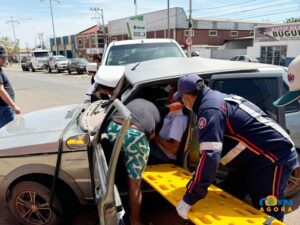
(218, 207)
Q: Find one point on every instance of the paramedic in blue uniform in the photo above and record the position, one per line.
(258, 153)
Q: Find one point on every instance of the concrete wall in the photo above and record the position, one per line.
(227, 53)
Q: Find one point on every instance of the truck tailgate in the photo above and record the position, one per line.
(217, 208)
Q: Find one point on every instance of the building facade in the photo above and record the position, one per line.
(90, 41)
(277, 44)
(66, 46)
(206, 32)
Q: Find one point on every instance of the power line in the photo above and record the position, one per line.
(273, 14)
(250, 10)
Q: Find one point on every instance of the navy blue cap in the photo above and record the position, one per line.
(187, 84)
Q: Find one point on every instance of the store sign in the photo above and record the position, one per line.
(277, 33)
(136, 27)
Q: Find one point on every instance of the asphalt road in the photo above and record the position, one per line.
(39, 90)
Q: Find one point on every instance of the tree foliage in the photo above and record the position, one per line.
(292, 20)
(10, 47)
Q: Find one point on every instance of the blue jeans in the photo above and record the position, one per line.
(6, 115)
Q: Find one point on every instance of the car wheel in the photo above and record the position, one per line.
(56, 68)
(49, 69)
(293, 186)
(29, 203)
(32, 69)
(69, 71)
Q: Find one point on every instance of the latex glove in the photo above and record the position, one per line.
(182, 209)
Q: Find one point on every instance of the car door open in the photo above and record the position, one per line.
(103, 175)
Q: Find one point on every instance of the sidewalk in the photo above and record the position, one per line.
(13, 66)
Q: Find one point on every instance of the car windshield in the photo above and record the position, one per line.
(126, 54)
(41, 54)
(60, 58)
(82, 61)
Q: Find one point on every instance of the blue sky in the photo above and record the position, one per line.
(73, 16)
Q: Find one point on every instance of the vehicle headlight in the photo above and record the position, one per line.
(78, 141)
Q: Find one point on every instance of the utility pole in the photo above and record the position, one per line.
(168, 33)
(41, 38)
(13, 22)
(135, 8)
(99, 15)
(53, 29)
(190, 29)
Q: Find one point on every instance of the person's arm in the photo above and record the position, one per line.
(211, 125)
(170, 145)
(7, 99)
(174, 136)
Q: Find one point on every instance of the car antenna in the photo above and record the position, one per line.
(133, 68)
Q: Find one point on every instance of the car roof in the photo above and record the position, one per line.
(169, 68)
(141, 41)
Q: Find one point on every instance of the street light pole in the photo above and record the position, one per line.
(190, 28)
(54, 36)
(168, 33)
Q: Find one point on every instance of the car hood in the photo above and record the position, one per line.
(62, 62)
(37, 128)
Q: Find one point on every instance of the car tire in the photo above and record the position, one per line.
(49, 69)
(32, 69)
(69, 72)
(293, 186)
(56, 68)
(29, 203)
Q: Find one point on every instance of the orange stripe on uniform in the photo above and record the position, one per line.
(278, 181)
(274, 181)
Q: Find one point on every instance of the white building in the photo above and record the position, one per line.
(276, 44)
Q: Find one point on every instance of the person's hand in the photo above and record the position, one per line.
(16, 109)
(183, 209)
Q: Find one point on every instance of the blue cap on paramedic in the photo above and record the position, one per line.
(187, 84)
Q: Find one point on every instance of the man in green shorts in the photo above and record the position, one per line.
(145, 117)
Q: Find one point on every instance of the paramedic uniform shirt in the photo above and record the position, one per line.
(240, 135)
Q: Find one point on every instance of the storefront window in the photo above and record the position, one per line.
(275, 55)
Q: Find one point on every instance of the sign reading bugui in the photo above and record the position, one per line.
(278, 32)
(136, 27)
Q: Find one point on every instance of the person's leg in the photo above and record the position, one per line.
(136, 148)
(266, 185)
(135, 200)
(6, 115)
(157, 156)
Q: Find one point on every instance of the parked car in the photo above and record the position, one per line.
(25, 64)
(63, 153)
(77, 65)
(58, 63)
(244, 58)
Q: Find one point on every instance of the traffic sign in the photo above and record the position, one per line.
(188, 41)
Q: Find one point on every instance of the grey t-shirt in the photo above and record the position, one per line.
(144, 113)
(7, 86)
